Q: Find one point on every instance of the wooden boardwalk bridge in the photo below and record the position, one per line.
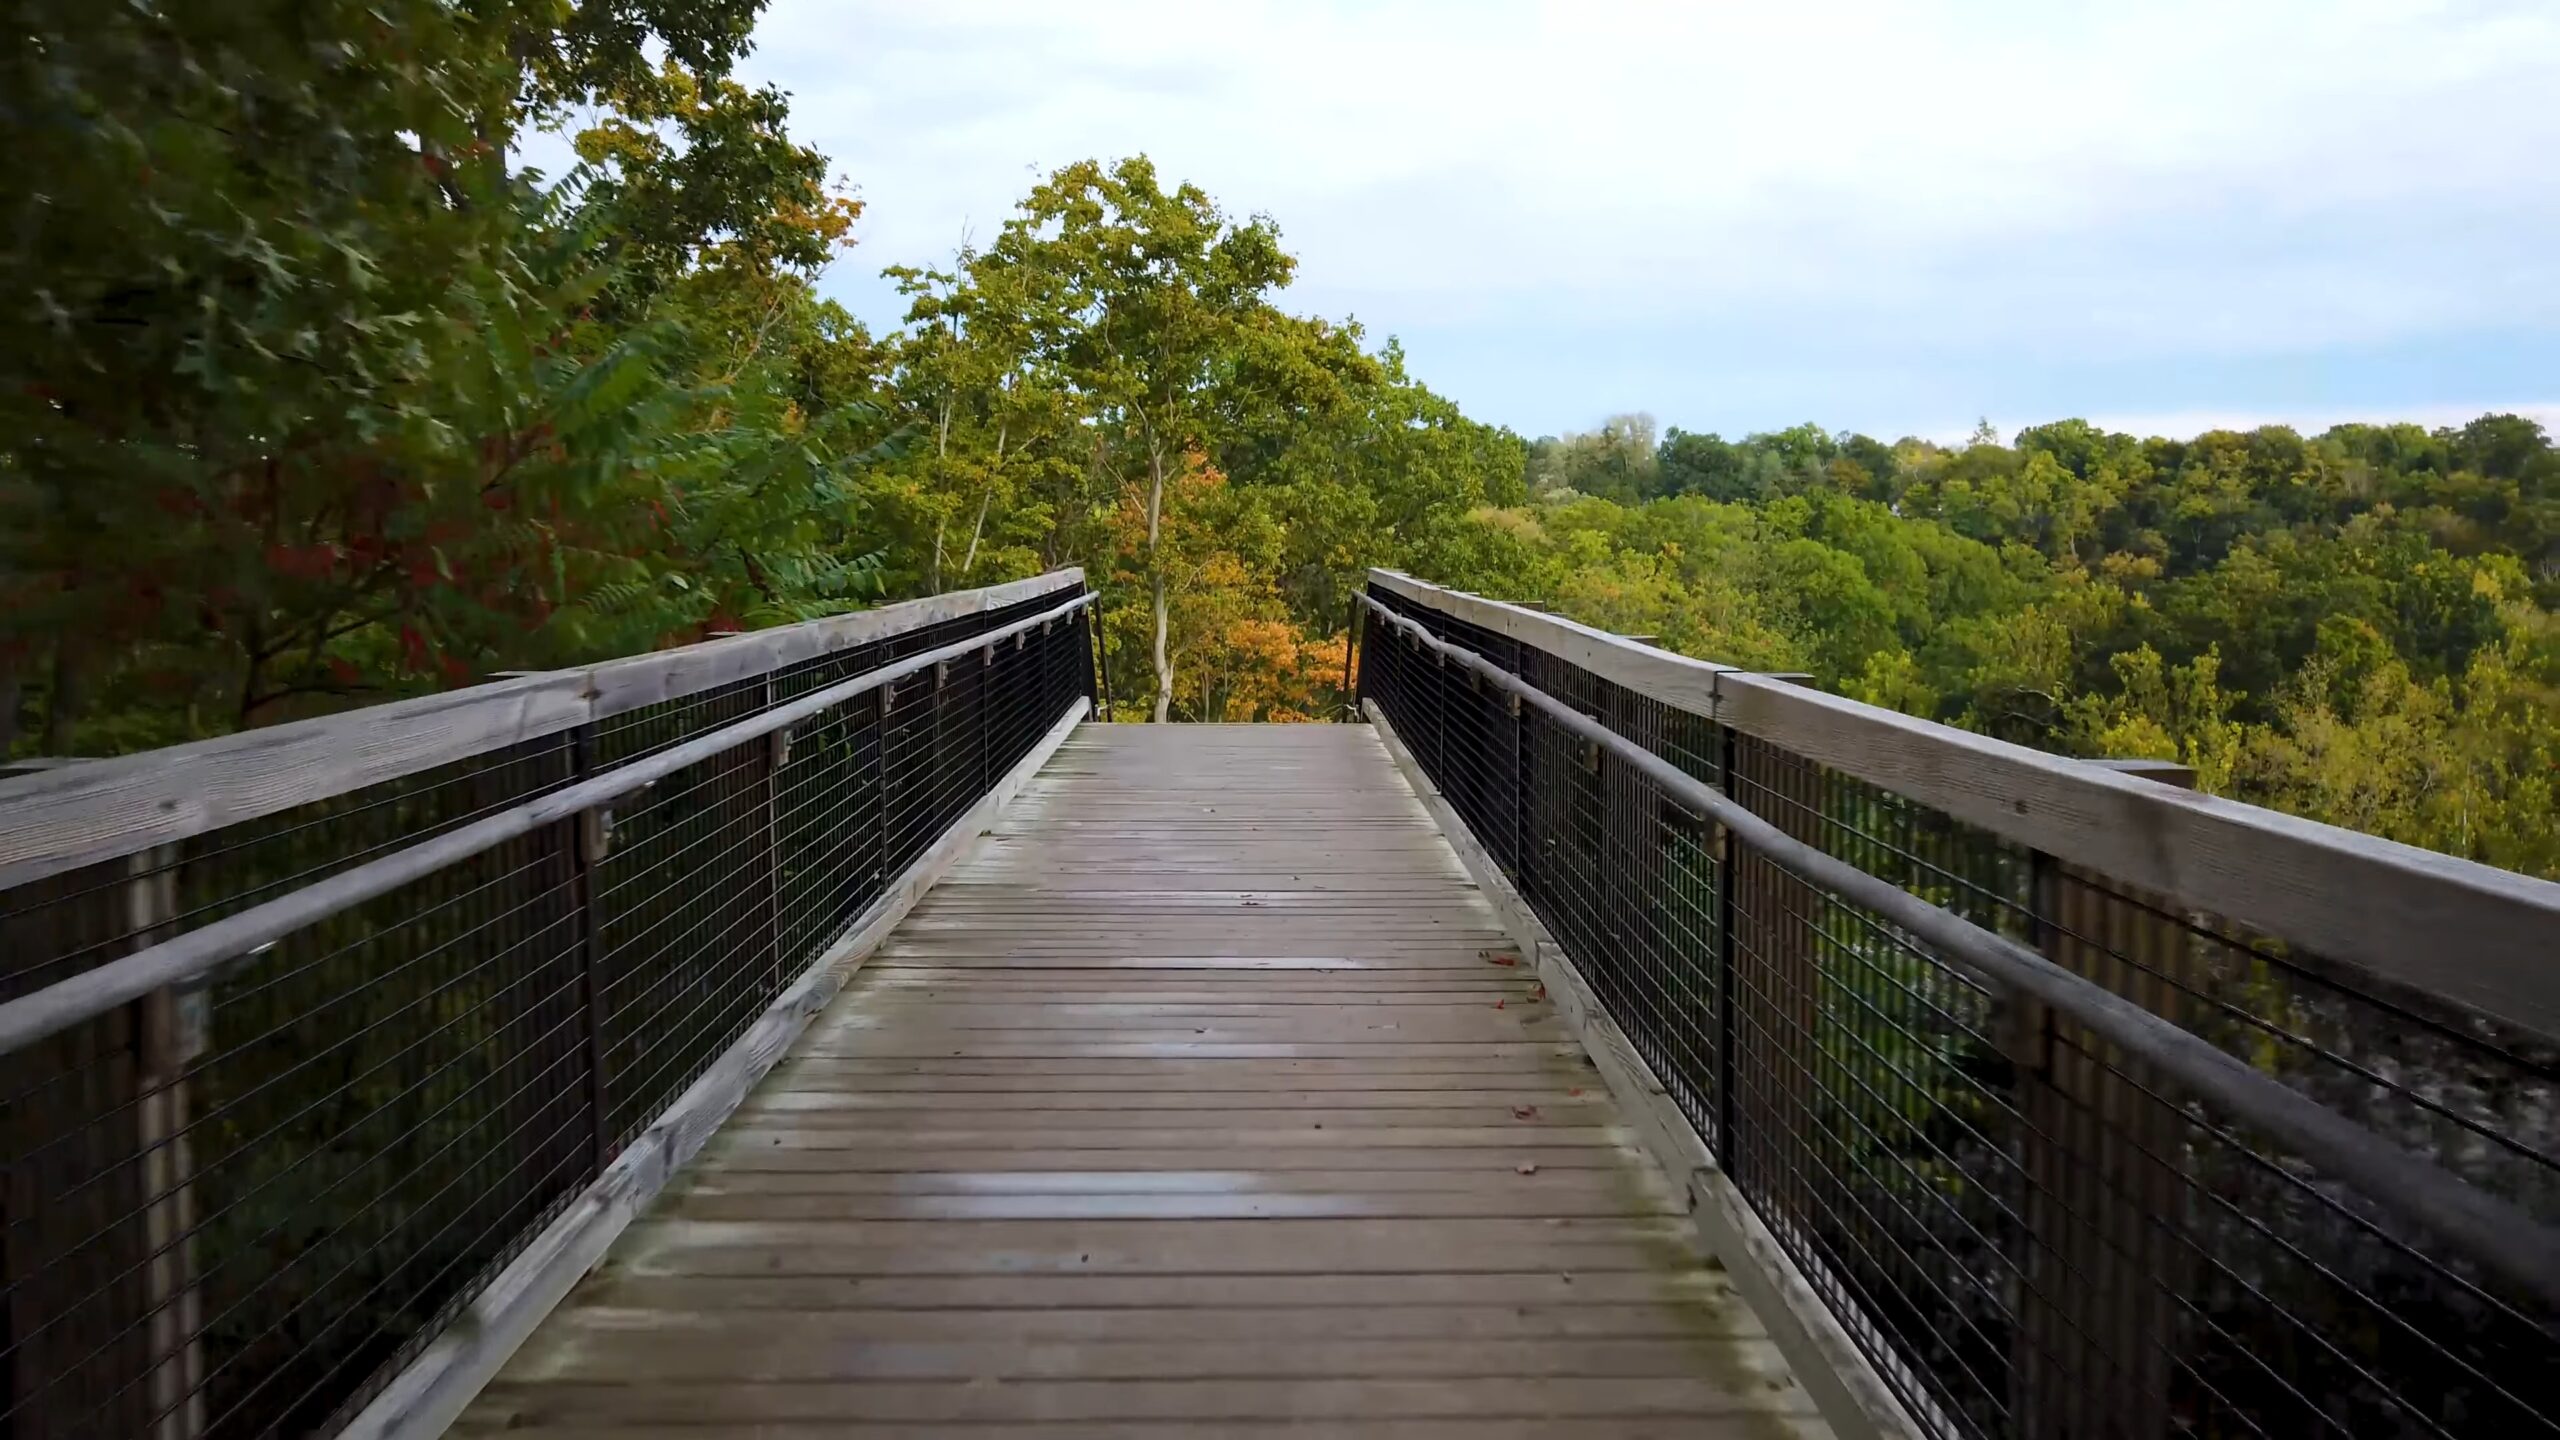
(834, 1030)
(1205, 1092)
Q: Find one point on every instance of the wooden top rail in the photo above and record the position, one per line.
(2483, 938)
(182, 958)
(61, 819)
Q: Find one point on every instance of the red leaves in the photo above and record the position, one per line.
(497, 498)
(413, 648)
(302, 562)
(342, 670)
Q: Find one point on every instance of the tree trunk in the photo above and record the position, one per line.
(969, 563)
(62, 699)
(1155, 568)
(941, 454)
(9, 695)
(1164, 667)
(969, 566)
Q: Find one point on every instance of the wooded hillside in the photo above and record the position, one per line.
(318, 395)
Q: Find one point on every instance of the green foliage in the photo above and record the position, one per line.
(2354, 626)
(310, 400)
(1111, 383)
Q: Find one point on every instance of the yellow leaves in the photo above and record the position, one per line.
(823, 215)
(2122, 569)
(1263, 668)
(617, 141)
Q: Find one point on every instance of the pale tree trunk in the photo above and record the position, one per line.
(969, 562)
(969, 566)
(941, 453)
(1155, 567)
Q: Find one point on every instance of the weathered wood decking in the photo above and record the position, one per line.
(1205, 1097)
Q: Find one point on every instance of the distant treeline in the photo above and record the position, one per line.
(2355, 626)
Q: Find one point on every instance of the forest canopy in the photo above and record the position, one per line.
(318, 395)
(2355, 626)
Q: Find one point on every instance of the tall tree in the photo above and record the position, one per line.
(311, 398)
(1134, 296)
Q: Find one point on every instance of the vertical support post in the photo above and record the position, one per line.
(987, 714)
(2102, 1162)
(2036, 1379)
(1097, 686)
(1350, 653)
(881, 784)
(1728, 872)
(172, 1031)
(1439, 719)
(591, 834)
(1519, 856)
(777, 754)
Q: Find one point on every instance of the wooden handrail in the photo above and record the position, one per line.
(62, 819)
(2485, 939)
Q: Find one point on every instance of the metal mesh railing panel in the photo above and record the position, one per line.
(2028, 1233)
(235, 1209)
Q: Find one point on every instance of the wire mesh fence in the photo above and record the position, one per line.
(233, 1208)
(2028, 1232)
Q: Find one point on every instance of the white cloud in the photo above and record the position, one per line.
(2177, 177)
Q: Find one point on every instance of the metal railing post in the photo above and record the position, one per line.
(1351, 681)
(2096, 1327)
(777, 754)
(591, 834)
(1728, 871)
(886, 699)
(172, 1030)
(1103, 692)
(984, 720)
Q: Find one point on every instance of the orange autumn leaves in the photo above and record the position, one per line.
(1235, 653)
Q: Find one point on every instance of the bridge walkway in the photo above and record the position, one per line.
(1205, 1096)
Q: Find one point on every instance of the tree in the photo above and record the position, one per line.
(1131, 295)
(2354, 625)
(314, 400)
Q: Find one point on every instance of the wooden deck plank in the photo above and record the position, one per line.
(1206, 1096)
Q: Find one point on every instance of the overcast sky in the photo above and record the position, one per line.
(1885, 215)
